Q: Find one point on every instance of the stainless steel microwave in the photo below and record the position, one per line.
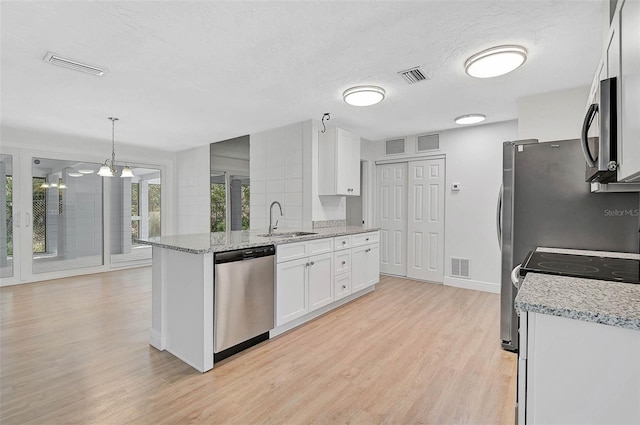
(599, 135)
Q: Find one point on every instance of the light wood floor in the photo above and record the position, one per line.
(75, 351)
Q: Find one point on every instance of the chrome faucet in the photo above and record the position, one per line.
(273, 227)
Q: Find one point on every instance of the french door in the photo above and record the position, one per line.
(61, 219)
(52, 223)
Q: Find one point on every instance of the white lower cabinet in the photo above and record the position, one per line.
(577, 372)
(319, 274)
(342, 268)
(324, 274)
(291, 301)
(342, 285)
(365, 266)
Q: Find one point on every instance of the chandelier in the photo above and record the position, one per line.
(108, 169)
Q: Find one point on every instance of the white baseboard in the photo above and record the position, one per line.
(319, 312)
(472, 284)
(155, 339)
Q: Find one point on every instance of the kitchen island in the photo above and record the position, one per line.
(579, 359)
(183, 281)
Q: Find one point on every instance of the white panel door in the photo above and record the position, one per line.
(425, 225)
(392, 214)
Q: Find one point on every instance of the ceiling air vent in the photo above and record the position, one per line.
(55, 59)
(413, 75)
(429, 142)
(395, 146)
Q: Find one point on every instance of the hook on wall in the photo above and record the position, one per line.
(327, 117)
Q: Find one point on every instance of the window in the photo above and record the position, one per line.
(39, 215)
(9, 208)
(154, 209)
(135, 210)
(218, 202)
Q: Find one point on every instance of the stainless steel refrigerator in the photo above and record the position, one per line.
(545, 202)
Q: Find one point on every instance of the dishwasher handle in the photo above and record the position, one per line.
(244, 254)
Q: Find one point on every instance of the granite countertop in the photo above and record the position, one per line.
(590, 300)
(201, 243)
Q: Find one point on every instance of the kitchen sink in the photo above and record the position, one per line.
(288, 234)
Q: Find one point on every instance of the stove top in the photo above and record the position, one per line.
(584, 266)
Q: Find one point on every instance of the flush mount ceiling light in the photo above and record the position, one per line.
(470, 119)
(495, 61)
(108, 169)
(85, 171)
(74, 174)
(363, 95)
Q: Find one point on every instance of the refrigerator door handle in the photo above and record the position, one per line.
(588, 120)
(499, 218)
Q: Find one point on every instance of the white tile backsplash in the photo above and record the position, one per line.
(275, 173)
(293, 185)
(293, 171)
(293, 199)
(258, 186)
(292, 157)
(276, 158)
(275, 187)
(293, 213)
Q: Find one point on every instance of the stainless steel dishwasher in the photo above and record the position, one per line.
(244, 288)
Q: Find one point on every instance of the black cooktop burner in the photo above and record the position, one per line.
(604, 268)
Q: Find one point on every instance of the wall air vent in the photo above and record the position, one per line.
(395, 146)
(413, 75)
(460, 267)
(429, 142)
(55, 59)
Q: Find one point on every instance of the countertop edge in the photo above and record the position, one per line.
(322, 234)
(590, 300)
(584, 316)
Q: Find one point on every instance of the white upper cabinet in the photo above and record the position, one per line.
(621, 59)
(628, 69)
(339, 163)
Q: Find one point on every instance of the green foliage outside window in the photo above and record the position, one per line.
(154, 209)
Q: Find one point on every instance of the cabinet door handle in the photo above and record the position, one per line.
(16, 219)
(367, 250)
(306, 265)
(312, 263)
(28, 219)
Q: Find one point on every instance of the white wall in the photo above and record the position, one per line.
(473, 159)
(552, 116)
(193, 204)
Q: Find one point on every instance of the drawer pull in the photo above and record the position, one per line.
(344, 242)
(344, 262)
(367, 239)
(344, 286)
(367, 250)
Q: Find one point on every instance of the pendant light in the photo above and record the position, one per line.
(108, 169)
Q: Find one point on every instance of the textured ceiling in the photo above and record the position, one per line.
(187, 73)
